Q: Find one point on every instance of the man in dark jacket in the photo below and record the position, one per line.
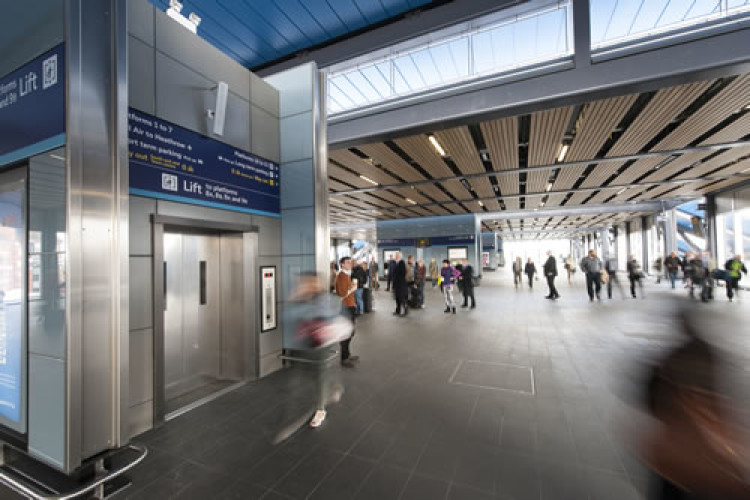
(467, 278)
(390, 268)
(400, 286)
(592, 267)
(550, 272)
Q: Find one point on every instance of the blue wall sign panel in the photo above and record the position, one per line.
(32, 107)
(171, 162)
(395, 243)
(459, 239)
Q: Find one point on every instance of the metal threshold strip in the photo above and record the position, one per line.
(203, 400)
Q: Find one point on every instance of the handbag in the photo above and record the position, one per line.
(605, 276)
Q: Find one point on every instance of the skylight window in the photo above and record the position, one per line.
(531, 34)
(614, 22)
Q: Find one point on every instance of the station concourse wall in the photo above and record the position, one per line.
(402, 235)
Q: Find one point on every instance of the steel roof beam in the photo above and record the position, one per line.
(640, 67)
(676, 182)
(553, 166)
(563, 211)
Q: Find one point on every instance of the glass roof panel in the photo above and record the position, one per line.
(488, 45)
(618, 21)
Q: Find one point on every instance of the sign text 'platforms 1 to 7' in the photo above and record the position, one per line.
(171, 162)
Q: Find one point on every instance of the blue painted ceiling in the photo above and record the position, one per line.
(256, 32)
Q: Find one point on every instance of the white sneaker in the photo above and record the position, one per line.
(318, 418)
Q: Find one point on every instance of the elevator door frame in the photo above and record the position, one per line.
(161, 224)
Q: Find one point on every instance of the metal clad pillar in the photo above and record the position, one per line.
(711, 221)
(96, 374)
(670, 232)
(644, 244)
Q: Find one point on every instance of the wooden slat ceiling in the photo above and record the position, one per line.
(594, 127)
(664, 107)
(501, 137)
(547, 131)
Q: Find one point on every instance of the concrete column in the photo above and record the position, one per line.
(604, 237)
(670, 232)
(645, 258)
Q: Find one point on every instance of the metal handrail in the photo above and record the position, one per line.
(32, 493)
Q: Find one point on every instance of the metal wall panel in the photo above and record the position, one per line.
(141, 293)
(141, 62)
(141, 18)
(234, 332)
(142, 364)
(183, 96)
(295, 189)
(265, 134)
(140, 225)
(181, 45)
(264, 95)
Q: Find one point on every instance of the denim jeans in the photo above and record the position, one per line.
(359, 297)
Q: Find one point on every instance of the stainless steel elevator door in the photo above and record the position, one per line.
(192, 316)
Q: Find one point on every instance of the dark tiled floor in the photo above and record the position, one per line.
(402, 431)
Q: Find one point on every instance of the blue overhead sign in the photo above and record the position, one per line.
(171, 162)
(32, 107)
(459, 239)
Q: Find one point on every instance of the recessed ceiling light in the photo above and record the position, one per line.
(622, 190)
(549, 186)
(480, 203)
(57, 157)
(436, 145)
(411, 201)
(563, 152)
(368, 180)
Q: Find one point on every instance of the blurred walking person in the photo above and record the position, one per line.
(635, 275)
(517, 272)
(390, 269)
(659, 267)
(318, 324)
(734, 268)
(530, 271)
(592, 266)
(570, 267)
(434, 272)
(672, 264)
(695, 441)
(550, 273)
(611, 268)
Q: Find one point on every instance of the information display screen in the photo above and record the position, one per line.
(457, 253)
(171, 162)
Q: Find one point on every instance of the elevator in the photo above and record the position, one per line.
(205, 312)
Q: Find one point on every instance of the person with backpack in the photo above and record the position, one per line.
(734, 268)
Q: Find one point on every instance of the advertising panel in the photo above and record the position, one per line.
(456, 254)
(32, 107)
(173, 163)
(12, 300)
